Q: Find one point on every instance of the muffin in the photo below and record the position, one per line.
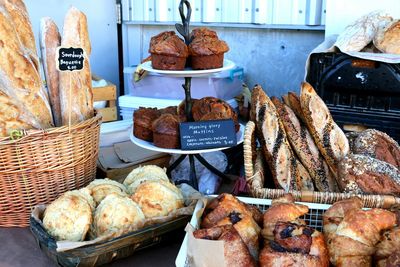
(206, 50)
(211, 108)
(166, 131)
(182, 111)
(158, 198)
(169, 110)
(168, 51)
(142, 123)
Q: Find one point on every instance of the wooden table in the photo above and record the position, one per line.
(19, 249)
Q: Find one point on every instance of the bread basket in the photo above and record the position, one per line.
(254, 172)
(36, 166)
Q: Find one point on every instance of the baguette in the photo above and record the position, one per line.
(378, 145)
(305, 148)
(50, 39)
(277, 150)
(78, 104)
(294, 104)
(20, 18)
(23, 99)
(363, 174)
(330, 139)
(258, 98)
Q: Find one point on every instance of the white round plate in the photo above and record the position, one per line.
(188, 72)
(150, 146)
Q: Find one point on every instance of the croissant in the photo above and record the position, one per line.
(228, 210)
(282, 209)
(294, 245)
(235, 250)
(353, 241)
(387, 247)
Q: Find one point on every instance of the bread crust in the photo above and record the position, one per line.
(75, 34)
(50, 39)
(388, 39)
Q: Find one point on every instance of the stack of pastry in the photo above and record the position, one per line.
(106, 207)
(306, 150)
(162, 126)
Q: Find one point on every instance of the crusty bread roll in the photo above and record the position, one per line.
(158, 198)
(142, 174)
(23, 27)
(388, 39)
(100, 188)
(23, 99)
(50, 39)
(78, 104)
(68, 217)
(117, 215)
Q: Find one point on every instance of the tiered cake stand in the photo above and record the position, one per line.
(188, 73)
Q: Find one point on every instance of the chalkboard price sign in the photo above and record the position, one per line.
(70, 59)
(207, 134)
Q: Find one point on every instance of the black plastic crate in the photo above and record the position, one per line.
(358, 91)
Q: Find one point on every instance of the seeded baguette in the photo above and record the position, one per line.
(330, 139)
(294, 103)
(277, 151)
(306, 149)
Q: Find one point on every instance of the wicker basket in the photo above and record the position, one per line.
(254, 172)
(40, 165)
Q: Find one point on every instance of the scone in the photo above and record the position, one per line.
(100, 188)
(158, 198)
(117, 214)
(142, 174)
(68, 217)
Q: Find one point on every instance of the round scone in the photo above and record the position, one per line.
(100, 188)
(158, 198)
(84, 193)
(142, 174)
(68, 217)
(117, 214)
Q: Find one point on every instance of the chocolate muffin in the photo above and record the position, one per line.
(206, 50)
(168, 51)
(166, 131)
(142, 123)
(211, 108)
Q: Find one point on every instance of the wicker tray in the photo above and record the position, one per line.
(106, 252)
(254, 172)
(36, 166)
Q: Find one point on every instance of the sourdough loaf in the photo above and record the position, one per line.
(329, 138)
(388, 39)
(75, 34)
(378, 145)
(50, 39)
(363, 174)
(23, 99)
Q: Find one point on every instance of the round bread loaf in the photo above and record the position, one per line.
(388, 39)
(100, 188)
(142, 174)
(69, 217)
(117, 214)
(158, 198)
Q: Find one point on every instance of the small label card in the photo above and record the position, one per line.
(207, 134)
(70, 59)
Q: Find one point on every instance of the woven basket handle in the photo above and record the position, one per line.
(248, 147)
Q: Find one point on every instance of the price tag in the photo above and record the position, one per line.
(207, 134)
(70, 59)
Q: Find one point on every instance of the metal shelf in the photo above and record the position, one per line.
(233, 25)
